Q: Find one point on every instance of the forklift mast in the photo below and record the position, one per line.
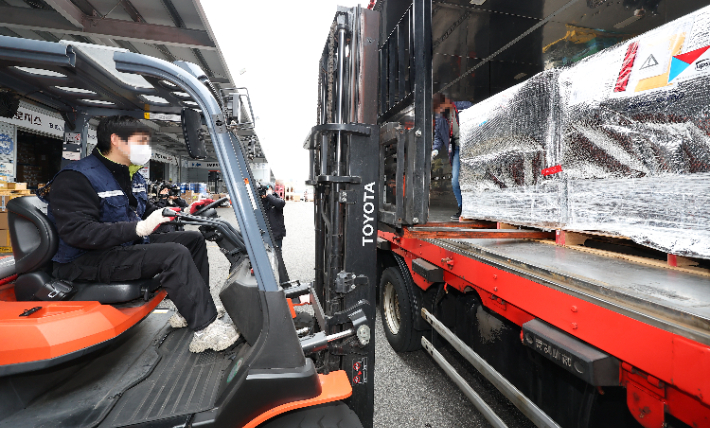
(344, 172)
(405, 112)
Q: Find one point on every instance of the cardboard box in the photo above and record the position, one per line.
(5, 238)
(6, 197)
(12, 186)
(4, 224)
(17, 186)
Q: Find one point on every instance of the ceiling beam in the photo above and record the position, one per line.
(174, 15)
(131, 10)
(86, 7)
(46, 35)
(66, 20)
(137, 17)
(68, 11)
(127, 45)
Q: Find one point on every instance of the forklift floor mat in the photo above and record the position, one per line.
(88, 396)
(182, 383)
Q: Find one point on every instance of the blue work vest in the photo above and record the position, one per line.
(114, 202)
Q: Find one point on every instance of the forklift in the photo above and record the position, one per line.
(103, 355)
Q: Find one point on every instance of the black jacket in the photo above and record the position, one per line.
(274, 208)
(76, 209)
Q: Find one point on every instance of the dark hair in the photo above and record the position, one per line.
(123, 126)
(437, 100)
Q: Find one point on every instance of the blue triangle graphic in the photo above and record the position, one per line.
(677, 67)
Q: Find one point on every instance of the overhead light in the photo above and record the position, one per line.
(478, 2)
(519, 76)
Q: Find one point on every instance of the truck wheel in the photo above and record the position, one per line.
(329, 415)
(398, 312)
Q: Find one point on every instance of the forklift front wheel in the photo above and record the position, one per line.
(398, 312)
(330, 415)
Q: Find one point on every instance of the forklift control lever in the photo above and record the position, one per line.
(319, 341)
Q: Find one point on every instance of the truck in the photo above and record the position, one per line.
(575, 329)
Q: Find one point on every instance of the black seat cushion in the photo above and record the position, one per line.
(114, 292)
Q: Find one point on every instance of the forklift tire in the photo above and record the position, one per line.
(398, 311)
(329, 415)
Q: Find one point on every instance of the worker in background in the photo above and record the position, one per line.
(446, 138)
(105, 222)
(169, 197)
(274, 209)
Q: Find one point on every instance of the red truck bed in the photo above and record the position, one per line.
(654, 320)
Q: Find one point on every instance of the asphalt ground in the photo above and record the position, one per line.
(410, 388)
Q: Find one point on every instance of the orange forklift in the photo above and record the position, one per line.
(78, 354)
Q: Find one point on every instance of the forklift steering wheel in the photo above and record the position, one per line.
(214, 204)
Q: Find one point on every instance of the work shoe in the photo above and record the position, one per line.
(177, 321)
(220, 308)
(218, 336)
(456, 216)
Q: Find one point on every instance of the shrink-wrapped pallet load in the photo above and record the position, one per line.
(506, 143)
(618, 143)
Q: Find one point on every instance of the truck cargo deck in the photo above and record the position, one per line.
(675, 301)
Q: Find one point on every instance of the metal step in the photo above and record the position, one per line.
(524, 404)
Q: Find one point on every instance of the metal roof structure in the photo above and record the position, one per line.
(172, 30)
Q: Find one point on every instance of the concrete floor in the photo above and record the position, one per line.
(411, 391)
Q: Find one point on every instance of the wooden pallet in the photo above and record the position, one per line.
(464, 232)
(576, 240)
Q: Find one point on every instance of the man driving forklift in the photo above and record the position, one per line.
(105, 223)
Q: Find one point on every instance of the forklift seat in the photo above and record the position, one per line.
(35, 241)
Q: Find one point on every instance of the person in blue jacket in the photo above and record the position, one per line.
(106, 227)
(446, 138)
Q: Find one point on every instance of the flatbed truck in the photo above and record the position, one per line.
(576, 330)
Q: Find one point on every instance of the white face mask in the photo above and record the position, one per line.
(140, 154)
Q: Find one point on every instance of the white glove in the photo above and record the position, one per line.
(434, 153)
(148, 226)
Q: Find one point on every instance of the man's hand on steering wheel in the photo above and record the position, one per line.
(196, 206)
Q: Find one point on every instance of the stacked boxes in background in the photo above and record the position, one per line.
(192, 192)
(8, 191)
(618, 143)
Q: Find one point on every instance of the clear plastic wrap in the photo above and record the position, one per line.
(617, 143)
(668, 212)
(506, 143)
(541, 205)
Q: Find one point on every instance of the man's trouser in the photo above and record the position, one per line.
(283, 273)
(455, 168)
(179, 258)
